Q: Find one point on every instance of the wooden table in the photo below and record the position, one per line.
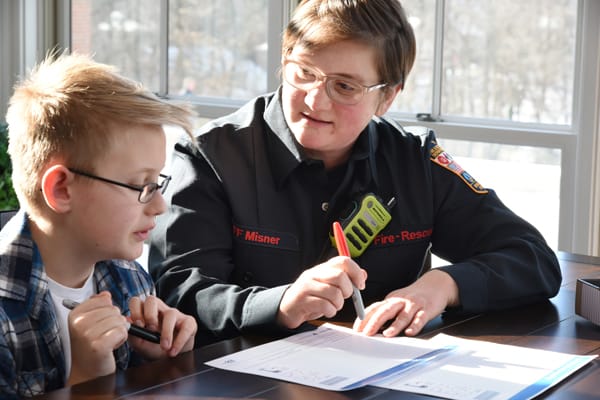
(551, 325)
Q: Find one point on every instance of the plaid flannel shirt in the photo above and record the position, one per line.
(31, 355)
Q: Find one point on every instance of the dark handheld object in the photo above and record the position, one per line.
(144, 333)
(134, 330)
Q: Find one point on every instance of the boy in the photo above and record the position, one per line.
(87, 148)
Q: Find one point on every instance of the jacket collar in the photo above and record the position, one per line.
(285, 152)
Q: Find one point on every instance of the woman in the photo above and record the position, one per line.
(270, 179)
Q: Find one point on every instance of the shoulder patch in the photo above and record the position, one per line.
(445, 160)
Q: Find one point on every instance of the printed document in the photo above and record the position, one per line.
(336, 358)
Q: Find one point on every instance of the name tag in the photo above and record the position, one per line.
(266, 238)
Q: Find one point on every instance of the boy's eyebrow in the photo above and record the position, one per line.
(147, 171)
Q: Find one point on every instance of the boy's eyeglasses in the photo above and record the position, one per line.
(147, 191)
(339, 89)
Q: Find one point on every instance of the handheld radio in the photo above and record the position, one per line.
(363, 220)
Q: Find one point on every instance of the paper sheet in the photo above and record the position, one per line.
(330, 357)
(337, 358)
(479, 370)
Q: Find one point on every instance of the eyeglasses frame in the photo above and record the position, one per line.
(320, 77)
(162, 186)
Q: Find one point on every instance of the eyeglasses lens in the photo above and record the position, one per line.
(339, 90)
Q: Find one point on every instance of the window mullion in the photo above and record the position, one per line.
(278, 16)
(63, 24)
(163, 69)
(438, 50)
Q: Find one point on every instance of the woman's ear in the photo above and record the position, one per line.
(56, 188)
(387, 100)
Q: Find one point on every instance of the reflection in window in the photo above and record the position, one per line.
(506, 60)
(218, 48)
(124, 33)
(510, 60)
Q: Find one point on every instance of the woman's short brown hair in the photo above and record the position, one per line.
(381, 24)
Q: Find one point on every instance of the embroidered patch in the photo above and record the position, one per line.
(445, 160)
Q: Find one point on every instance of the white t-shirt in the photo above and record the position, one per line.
(58, 293)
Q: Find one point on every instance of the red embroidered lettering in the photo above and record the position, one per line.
(254, 236)
(251, 236)
(383, 239)
(237, 231)
(415, 235)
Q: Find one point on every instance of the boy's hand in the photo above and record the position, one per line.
(96, 328)
(177, 330)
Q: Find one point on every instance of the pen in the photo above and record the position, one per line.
(134, 330)
(342, 246)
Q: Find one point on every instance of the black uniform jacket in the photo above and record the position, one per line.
(249, 212)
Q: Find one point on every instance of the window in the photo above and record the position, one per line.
(124, 33)
(474, 71)
(481, 67)
(210, 51)
(525, 178)
(490, 71)
(218, 48)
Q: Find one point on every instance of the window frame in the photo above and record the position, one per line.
(579, 214)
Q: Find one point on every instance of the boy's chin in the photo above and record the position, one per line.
(140, 254)
(133, 253)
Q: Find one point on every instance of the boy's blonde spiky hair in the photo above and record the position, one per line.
(62, 109)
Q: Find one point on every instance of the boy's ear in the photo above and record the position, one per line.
(56, 188)
(387, 100)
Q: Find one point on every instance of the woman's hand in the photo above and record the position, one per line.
(410, 308)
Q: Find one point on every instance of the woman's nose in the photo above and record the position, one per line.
(317, 97)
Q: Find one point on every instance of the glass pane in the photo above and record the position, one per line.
(416, 96)
(124, 33)
(527, 179)
(218, 48)
(510, 60)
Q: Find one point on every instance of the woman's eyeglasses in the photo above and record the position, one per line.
(339, 89)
